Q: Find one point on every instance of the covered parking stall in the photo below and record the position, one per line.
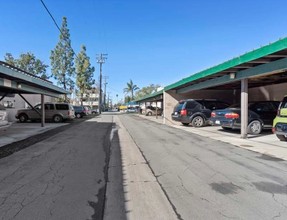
(16, 81)
(156, 98)
(257, 75)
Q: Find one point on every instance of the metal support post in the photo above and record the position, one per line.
(43, 111)
(244, 107)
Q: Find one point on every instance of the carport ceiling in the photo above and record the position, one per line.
(14, 81)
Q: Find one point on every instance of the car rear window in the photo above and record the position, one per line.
(62, 107)
(191, 105)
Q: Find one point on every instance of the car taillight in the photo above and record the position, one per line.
(231, 115)
(273, 129)
(183, 112)
(213, 114)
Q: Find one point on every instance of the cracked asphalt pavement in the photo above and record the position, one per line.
(127, 167)
(60, 177)
(208, 179)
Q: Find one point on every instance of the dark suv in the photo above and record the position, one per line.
(196, 111)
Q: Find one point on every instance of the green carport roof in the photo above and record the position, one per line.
(14, 80)
(261, 56)
(156, 96)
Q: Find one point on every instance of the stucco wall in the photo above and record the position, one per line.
(170, 100)
(272, 92)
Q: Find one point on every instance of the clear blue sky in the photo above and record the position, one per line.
(148, 41)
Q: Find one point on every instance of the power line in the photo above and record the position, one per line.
(58, 26)
(51, 16)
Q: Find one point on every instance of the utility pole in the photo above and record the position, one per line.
(105, 94)
(101, 59)
(108, 99)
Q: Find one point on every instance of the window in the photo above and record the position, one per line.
(49, 107)
(38, 107)
(191, 105)
(62, 107)
(221, 105)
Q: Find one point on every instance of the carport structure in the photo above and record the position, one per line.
(261, 74)
(155, 97)
(16, 81)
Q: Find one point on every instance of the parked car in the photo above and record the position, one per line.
(3, 116)
(196, 111)
(57, 112)
(131, 110)
(88, 110)
(151, 110)
(280, 121)
(260, 116)
(80, 111)
(95, 111)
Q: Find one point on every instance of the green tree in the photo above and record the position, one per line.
(127, 99)
(84, 73)
(62, 57)
(29, 63)
(131, 88)
(147, 90)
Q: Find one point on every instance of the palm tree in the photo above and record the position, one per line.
(131, 88)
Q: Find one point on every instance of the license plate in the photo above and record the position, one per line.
(217, 122)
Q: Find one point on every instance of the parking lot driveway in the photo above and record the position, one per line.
(266, 143)
(61, 177)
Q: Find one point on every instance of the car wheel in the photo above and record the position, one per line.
(57, 118)
(149, 113)
(197, 121)
(254, 127)
(23, 118)
(185, 124)
(281, 137)
(78, 115)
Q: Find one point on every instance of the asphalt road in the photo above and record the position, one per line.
(61, 177)
(121, 166)
(208, 179)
